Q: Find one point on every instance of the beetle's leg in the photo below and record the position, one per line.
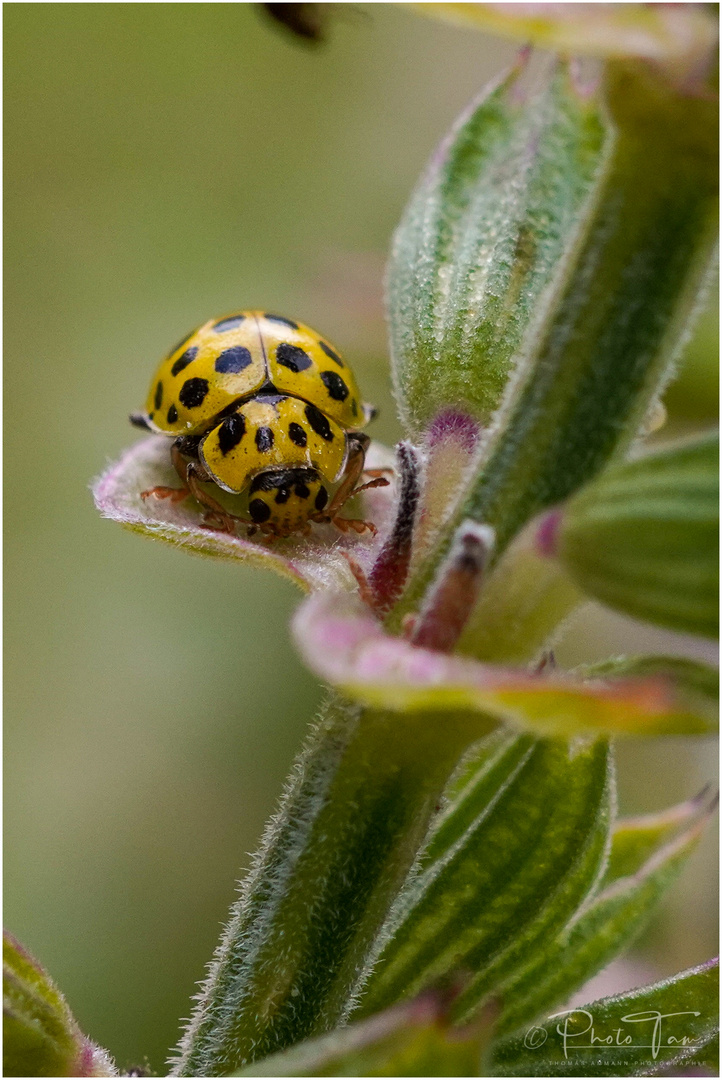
(174, 494)
(358, 444)
(379, 472)
(216, 516)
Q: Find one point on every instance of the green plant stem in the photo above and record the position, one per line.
(615, 333)
(331, 864)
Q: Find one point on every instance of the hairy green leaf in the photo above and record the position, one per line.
(40, 1035)
(481, 240)
(593, 368)
(509, 845)
(608, 923)
(343, 643)
(413, 1039)
(331, 864)
(641, 1033)
(643, 537)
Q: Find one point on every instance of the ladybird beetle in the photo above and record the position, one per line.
(262, 405)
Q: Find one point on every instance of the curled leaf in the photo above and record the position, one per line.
(483, 236)
(643, 537)
(313, 562)
(345, 645)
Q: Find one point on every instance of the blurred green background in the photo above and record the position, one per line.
(165, 163)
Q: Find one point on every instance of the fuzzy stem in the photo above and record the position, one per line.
(332, 861)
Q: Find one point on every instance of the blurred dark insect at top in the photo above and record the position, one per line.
(306, 21)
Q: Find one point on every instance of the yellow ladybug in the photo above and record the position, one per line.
(260, 403)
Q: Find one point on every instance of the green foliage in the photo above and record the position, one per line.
(608, 922)
(529, 844)
(674, 1023)
(481, 241)
(331, 863)
(541, 282)
(643, 538)
(40, 1035)
(606, 347)
(415, 1039)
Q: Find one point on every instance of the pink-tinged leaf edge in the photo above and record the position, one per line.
(343, 643)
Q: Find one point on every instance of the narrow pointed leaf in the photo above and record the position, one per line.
(605, 927)
(346, 646)
(637, 839)
(413, 1039)
(311, 563)
(644, 537)
(498, 207)
(40, 1034)
(541, 810)
(660, 1027)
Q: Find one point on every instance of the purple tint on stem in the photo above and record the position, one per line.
(547, 534)
(452, 424)
(388, 576)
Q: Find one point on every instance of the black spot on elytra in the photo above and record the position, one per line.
(296, 434)
(331, 354)
(354, 408)
(231, 432)
(259, 511)
(335, 385)
(264, 439)
(321, 498)
(193, 393)
(172, 414)
(319, 423)
(280, 319)
(231, 361)
(292, 357)
(301, 491)
(158, 395)
(282, 495)
(228, 324)
(184, 360)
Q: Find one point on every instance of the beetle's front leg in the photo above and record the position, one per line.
(181, 467)
(358, 444)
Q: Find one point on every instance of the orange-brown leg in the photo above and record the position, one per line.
(358, 445)
(216, 516)
(174, 494)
